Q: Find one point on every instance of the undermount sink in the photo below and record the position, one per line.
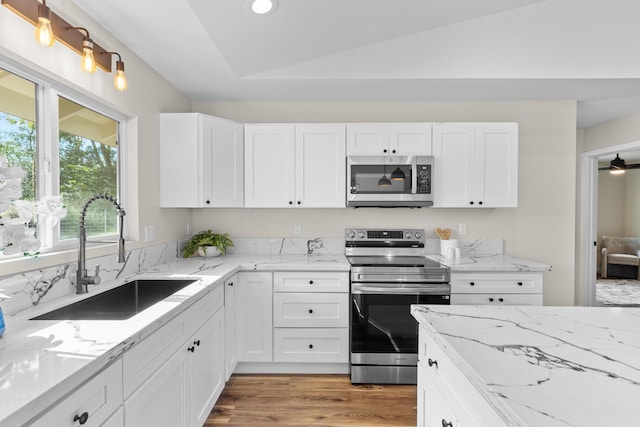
(119, 303)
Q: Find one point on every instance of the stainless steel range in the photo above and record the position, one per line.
(389, 272)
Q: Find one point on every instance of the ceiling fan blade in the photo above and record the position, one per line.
(633, 166)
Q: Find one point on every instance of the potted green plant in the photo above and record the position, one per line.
(207, 244)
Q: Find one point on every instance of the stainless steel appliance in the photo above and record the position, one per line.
(389, 272)
(389, 181)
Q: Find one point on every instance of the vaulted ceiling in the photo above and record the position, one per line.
(390, 50)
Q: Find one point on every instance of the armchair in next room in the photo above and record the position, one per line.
(620, 257)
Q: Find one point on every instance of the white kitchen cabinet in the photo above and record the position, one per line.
(230, 322)
(445, 395)
(290, 165)
(521, 288)
(115, 420)
(205, 376)
(399, 139)
(255, 320)
(475, 165)
(201, 161)
(92, 404)
(311, 317)
(173, 381)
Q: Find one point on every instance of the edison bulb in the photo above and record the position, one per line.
(88, 61)
(44, 32)
(120, 82)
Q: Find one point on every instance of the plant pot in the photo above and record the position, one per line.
(208, 251)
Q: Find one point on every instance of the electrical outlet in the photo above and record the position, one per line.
(297, 228)
(462, 229)
(149, 233)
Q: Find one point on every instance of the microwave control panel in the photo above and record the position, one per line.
(424, 179)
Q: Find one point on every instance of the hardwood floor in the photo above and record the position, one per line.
(312, 400)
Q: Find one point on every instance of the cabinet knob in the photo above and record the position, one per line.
(310, 311)
(480, 202)
(230, 283)
(82, 418)
(290, 202)
(384, 151)
(491, 299)
(501, 299)
(393, 151)
(208, 202)
(191, 349)
(519, 283)
(310, 345)
(432, 362)
(471, 202)
(472, 283)
(446, 423)
(299, 202)
(311, 282)
(197, 342)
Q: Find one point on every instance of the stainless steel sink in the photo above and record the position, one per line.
(118, 303)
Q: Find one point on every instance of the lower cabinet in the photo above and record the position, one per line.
(92, 404)
(254, 321)
(230, 322)
(522, 288)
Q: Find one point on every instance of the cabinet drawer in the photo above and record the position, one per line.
(311, 281)
(209, 305)
(98, 398)
(306, 310)
(496, 299)
(528, 283)
(311, 345)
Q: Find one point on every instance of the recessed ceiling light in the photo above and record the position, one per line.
(262, 7)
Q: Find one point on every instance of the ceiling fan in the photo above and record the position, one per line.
(618, 166)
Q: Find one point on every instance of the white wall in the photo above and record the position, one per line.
(541, 228)
(148, 95)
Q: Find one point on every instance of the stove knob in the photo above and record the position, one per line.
(418, 234)
(361, 234)
(407, 235)
(351, 234)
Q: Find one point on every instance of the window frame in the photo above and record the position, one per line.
(47, 159)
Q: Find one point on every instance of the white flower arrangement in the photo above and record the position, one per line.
(18, 218)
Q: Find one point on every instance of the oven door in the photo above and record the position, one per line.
(382, 327)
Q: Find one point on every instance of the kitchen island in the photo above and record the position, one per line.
(528, 366)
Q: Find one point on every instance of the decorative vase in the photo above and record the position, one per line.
(208, 251)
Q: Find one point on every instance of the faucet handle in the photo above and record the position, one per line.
(96, 278)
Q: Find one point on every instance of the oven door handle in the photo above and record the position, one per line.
(444, 290)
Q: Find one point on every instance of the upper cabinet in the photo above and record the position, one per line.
(400, 139)
(201, 161)
(301, 165)
(476, 165)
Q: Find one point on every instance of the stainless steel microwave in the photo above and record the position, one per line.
(389, 181)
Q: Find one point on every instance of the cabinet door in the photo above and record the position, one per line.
(269, 166)
(320, 166)
(255, 321)
(410, 139)
(367, 139)
(434, 412)
(161, 400)
(116, 420)
(454, 165)
(309, 310)
(180, 161)
(497, 164)
(96, 400)
(206, 369)
(223, 163)
(230, 332)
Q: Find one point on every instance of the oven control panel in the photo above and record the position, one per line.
(386, 235)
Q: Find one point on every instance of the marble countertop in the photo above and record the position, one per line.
(42, 361)
(545, 366)
(490, 263)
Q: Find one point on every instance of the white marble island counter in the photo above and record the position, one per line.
(544, 366)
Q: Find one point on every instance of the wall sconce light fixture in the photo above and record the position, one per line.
(51, 27)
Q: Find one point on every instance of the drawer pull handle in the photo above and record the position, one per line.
(82, 418)
(432, 362)
(446, 423)
(519, 283)
(472, 283)
(191, 349)
(501, 299)
(197, 342)
(310, 345)
(491, 299)
(230, 283)
(311, 282)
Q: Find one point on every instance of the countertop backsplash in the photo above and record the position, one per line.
(30, 288)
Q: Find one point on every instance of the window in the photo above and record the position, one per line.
(83, 160)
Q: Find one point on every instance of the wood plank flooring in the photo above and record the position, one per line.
(312, 400)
